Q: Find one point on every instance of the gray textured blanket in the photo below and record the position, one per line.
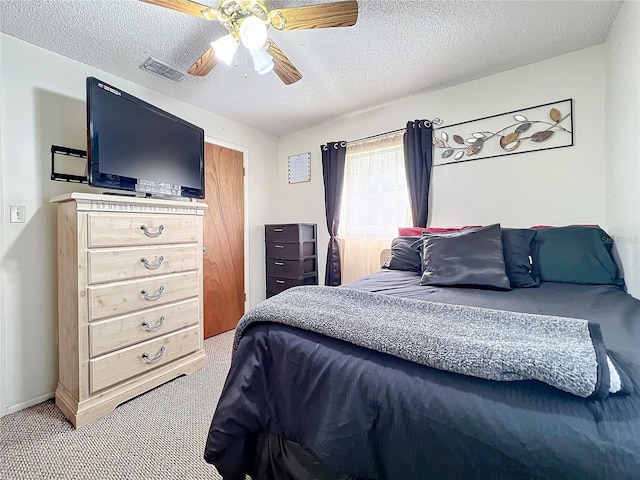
(566, 353)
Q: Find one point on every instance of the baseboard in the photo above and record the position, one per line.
(30, 403)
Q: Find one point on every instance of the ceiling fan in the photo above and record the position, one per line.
(247, 22)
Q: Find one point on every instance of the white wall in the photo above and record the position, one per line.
(557, 187)
(622, 146)
(43, 103)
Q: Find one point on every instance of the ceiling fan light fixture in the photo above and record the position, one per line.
(253, 32)
(225, 48)
(247, 22)
(262, 61)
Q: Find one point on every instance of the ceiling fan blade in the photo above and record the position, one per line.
(325, 15)
(184, 6)
(204, 64)
(282, 66)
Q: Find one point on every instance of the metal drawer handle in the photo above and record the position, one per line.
(278, 263)
(278, 229)
(152, 266)
(150, 234)
(149, 328)
(280, 281)
(279, 246)
(149, 359)
(155, 296)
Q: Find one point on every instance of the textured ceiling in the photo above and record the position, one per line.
(398, 48)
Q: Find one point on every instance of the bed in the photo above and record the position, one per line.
(301, 404)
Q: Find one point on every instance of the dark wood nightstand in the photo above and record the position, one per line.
(291, 256)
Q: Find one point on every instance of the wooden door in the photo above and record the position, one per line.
(223, 264)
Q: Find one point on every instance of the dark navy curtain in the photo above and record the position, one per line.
(333, 158)
(418, 159)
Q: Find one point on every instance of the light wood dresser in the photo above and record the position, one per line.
(129, 298)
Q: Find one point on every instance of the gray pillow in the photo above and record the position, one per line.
(576, 254)
(406, 254)
(517, 246)
(468, 258)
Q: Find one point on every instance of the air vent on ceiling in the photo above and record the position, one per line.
(159, 68)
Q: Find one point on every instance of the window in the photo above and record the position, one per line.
(375, 202)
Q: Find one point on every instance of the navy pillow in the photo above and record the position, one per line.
(406, 254)
(576, 254)
(470, 258)
(517, 249)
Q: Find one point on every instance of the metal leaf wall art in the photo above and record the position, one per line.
(535, 128)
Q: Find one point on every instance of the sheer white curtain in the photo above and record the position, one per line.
(375, 202)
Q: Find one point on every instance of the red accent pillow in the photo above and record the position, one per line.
(417, 231)
(542, 227)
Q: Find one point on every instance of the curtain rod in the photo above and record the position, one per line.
(377, 135)
(435, 121)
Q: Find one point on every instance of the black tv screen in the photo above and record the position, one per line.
(133, 145)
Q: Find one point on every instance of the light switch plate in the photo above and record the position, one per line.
(18, 213)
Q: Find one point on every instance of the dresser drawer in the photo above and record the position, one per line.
(106, 265)
(291, 268)
(109, 335)
(124, 297)
(290, 251)
(291, 232)
(278, 284)
(118, 366)
(122, 230)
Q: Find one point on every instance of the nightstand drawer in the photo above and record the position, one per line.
(109, 335)
(106, 265)
(291, 232)
(290, 251)
(123, 297)
(122, 230)
(277, 284)
(120, 365)
(291, 268)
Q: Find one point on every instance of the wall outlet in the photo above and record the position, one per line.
(18, 213)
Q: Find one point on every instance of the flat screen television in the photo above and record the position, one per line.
(135, 146)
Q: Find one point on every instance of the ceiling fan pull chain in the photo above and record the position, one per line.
(245, 63)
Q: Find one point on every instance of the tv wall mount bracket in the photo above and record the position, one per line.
(56, 174)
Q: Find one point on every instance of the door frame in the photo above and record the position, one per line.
(245, 166)
(3, 336)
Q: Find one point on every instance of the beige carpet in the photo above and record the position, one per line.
(158, 435)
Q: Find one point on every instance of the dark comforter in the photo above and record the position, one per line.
(371, 415)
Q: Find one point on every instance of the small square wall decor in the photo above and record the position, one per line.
(542, 127)
(300, 168)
